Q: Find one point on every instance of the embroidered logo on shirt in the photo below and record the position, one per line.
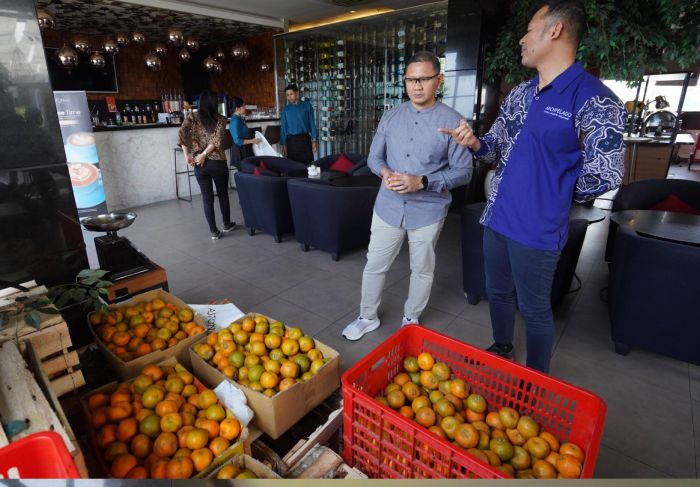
(558, 112)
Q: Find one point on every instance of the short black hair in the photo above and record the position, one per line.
(425, 57)
(236, 102)
(291, 86)
(571, 13)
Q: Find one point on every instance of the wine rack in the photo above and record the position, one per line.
(352, 72)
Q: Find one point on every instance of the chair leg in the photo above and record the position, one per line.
(335, 257)
(622, 348)
(251, 231)
(278, 238)
(473, 299)
(304, 248)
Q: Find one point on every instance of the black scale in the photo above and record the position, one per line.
(116, 254)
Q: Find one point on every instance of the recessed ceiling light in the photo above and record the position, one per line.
(353, 11)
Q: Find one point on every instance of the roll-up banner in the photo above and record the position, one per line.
(81, 152)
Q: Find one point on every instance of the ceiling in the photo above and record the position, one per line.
(219, 20)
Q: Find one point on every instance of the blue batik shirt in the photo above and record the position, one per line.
(239, 130)
(554, 146)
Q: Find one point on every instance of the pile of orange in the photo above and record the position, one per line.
(235, 472)
(160, 426)
(267, 357)
(147, 327)
(427, 393)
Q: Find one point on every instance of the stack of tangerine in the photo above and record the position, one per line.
(261, 355)
(147, 327)
(160, 426)
(425, 393)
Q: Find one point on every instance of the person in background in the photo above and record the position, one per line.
(298, 134)
(418, 166)
(201, 137)
(557, 139)
(240, 133)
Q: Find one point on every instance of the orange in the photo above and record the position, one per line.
(551, 439)
(121, 338)
(152, 396)
(174, 384)
(210, 426)
(502, 448)
(141, 383)
(150, 425)
(441, 371)
(428, 380)
(573, 450)
(158, 344)
(396, 399)
(406, 412)
(479, 454)
(401, 378)
(215, 412)
(411, 390)
(143, 349)
(467, 436)
(165, 445)
(286, 383)
(269, 380)
(182, 435)
(230, 428)
(158, 467)
(425, 361)
(542, 469)
(141, 330)
(107, 435)
(166, 407)
(122, 465)
(521, 459)
(198, 438)
(133, 344)
(494, 421)
(206, 398)
(228, 472)
(201, 458)
(179, 468)
(119, 411)
(552, 457)
(568, 466)
(141, 413)
(170, 422)
(449, 426)
(537, 447)
(141, 446)
(115, 449)
(97, 400)
(182, 452)
(120, 395)
(425, 416)
(477, 403)
(218, 445)
(127, 429)
(188, 408)
(460, 389)
(420, 402)
(137, 472)
(528, 427)
(212, 339)
(437, 430)
(289, 347)
(99, 417)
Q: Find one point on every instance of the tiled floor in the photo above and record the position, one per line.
(652, 428)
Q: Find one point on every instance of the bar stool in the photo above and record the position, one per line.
(187, 171)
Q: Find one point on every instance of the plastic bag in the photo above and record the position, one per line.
(218, 316)
(264, 148)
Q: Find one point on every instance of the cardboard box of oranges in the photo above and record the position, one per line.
(162, 424)
(282, 372)
(146, 329)
(244, 467)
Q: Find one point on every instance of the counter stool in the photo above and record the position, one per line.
(187, 171)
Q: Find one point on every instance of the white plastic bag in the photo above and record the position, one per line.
(218, 316)
(264, 148)
(234, 399)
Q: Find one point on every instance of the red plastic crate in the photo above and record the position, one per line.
(40, 455)
(384, 444)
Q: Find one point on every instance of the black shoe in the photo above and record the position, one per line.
(229, 227)
(505, 351)
(216, 235)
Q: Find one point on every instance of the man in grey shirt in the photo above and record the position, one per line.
(418, 166)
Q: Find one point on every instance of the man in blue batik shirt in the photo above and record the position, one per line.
(557, 139)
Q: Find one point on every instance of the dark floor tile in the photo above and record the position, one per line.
(292, 315)
(331, 297)
(277, 274)
(614, 464)
(190, 274)
(350, 351)
(243, 294)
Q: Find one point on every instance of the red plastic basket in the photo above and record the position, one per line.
(40, 455)
(384, 444)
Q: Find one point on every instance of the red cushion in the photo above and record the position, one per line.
(675, 204)
(342, 164)
(263, 166)
(256, 172)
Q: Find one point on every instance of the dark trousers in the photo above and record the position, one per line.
(299, 148)
(216, 172)
(237, 155)
(509, 267)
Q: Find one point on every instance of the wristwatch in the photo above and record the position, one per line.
(424, 180)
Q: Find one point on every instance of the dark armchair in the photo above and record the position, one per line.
(331, 218)
(473, 277)
(642, 195)
(276, 166)
(652, 295)
(359, 161)
(265, 204)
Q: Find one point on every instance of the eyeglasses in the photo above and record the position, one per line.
(420, 81)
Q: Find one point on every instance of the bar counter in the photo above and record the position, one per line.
(137, 162)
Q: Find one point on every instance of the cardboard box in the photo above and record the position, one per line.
(275, 415)
(261, 470)
(232, 451)
(129, 370)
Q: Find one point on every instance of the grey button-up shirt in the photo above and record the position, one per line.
(407, 141)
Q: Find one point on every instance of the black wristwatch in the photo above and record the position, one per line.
(424, 180)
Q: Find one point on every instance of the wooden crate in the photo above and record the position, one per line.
(47, 320)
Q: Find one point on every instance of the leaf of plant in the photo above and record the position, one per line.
(33, 319)
(90, 281)
(78, 294)
(84, 273)
(62, 299)
(103, 290)
(100, 272)
(49, 310)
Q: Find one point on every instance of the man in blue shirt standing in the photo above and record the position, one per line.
(557, 139)
(419, 166)
(298, 134)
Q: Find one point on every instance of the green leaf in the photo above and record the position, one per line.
(89, 281)
(104, 291)
(62, 299)
(77, 294)
(33, 319)
(84, 273)
(49, 310)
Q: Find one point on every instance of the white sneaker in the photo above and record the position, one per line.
(360, 326)
(408, 321)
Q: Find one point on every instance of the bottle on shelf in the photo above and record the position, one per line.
(137, 114)
(118, 117)
(127, 114)
(147, 115)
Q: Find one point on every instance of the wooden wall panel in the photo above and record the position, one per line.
(240, 78)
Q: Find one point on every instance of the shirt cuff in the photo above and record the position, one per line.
(482, 150)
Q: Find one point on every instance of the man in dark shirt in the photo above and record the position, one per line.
(557, 139)
(298, 134)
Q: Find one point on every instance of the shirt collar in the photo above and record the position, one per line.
(561, 82)
(422, 110)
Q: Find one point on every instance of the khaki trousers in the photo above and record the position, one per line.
(384, 245)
